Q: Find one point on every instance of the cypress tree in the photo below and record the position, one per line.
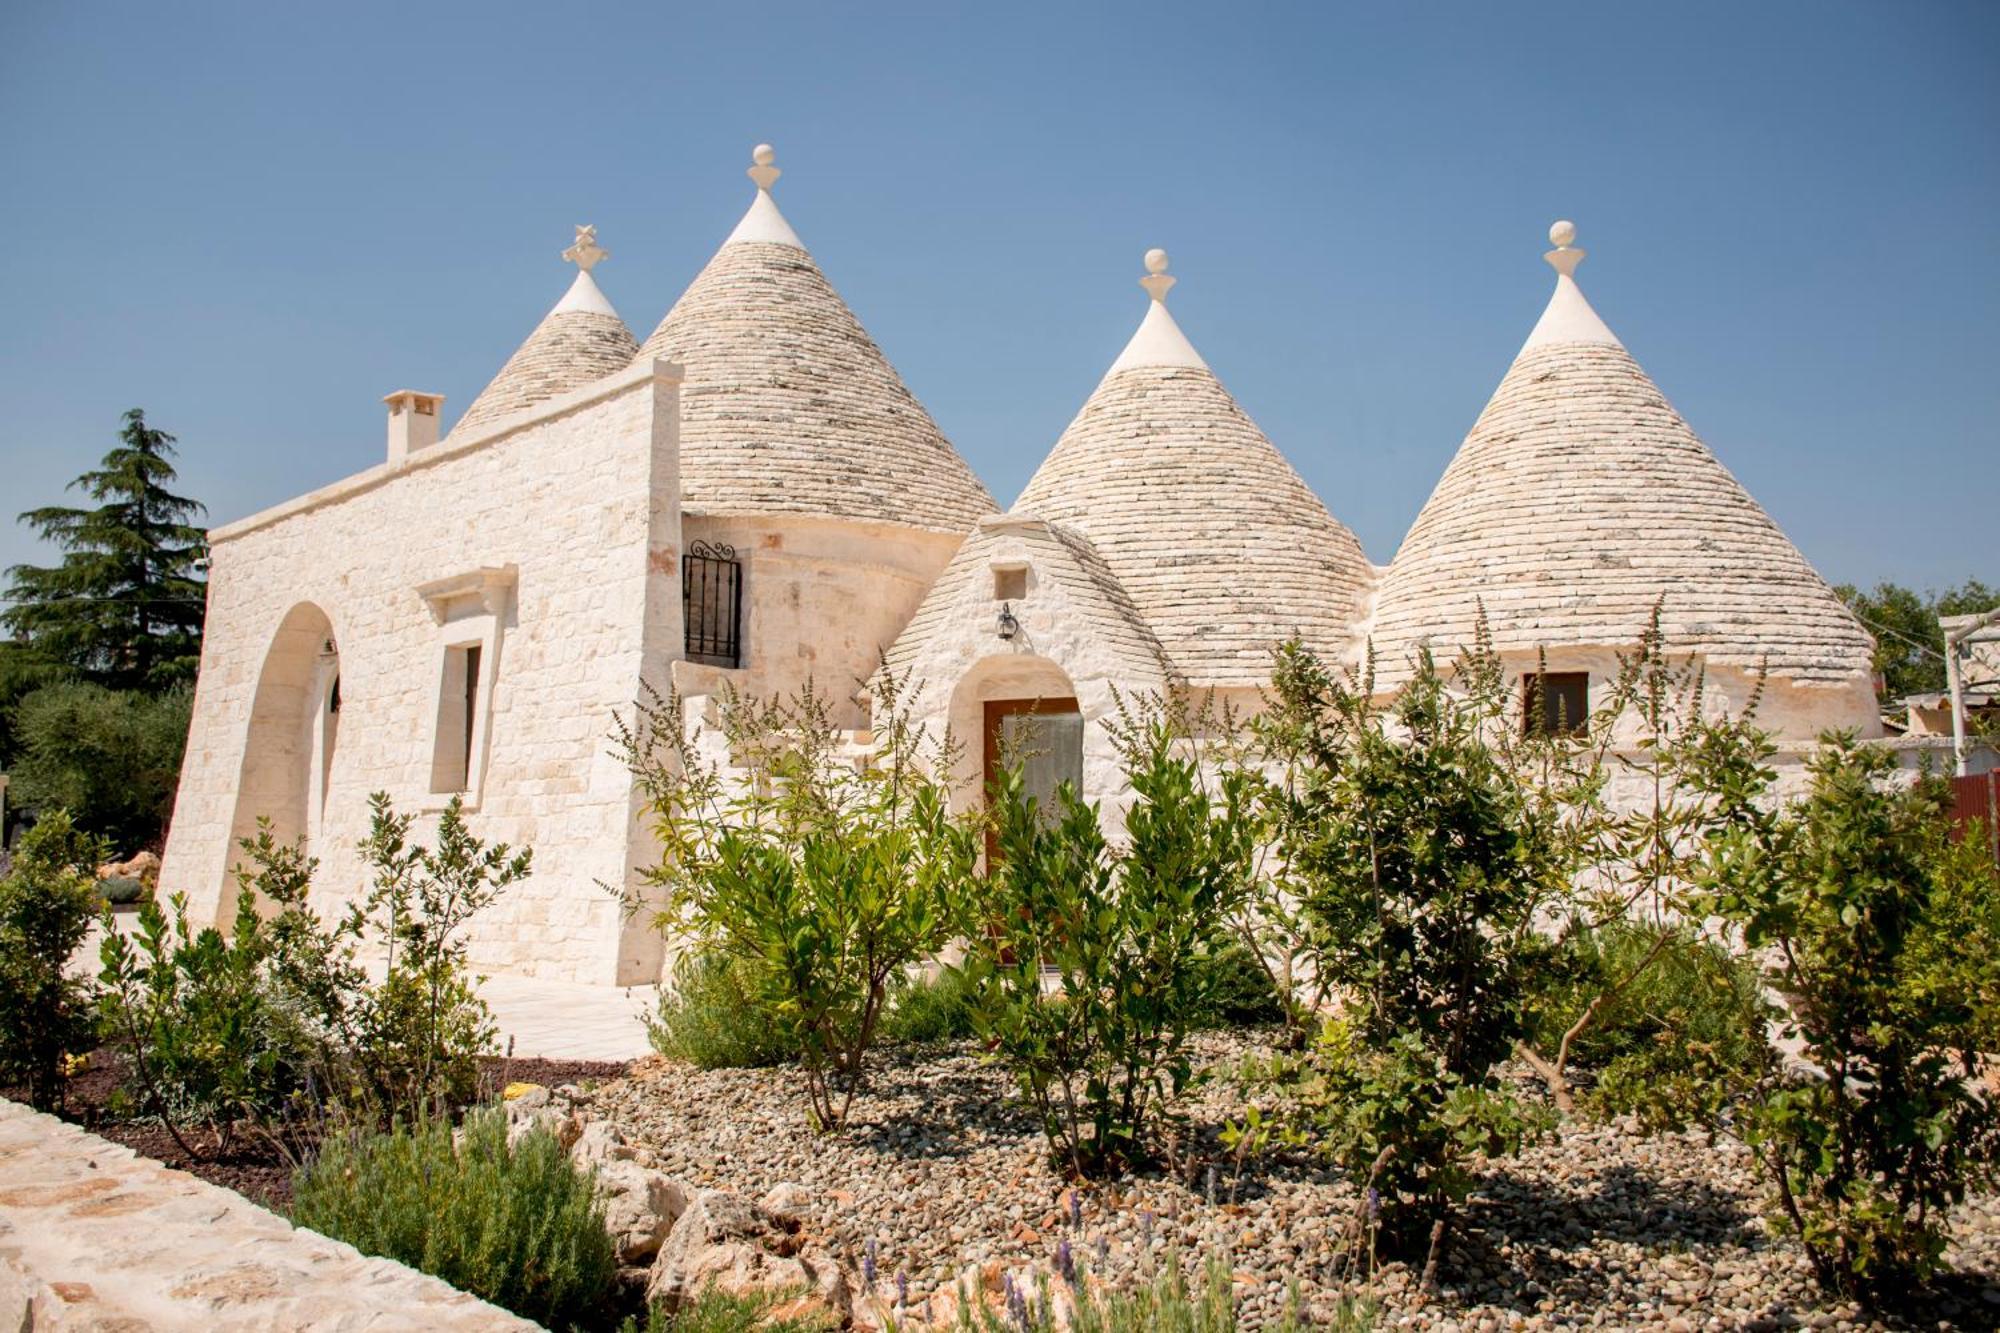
(124, 607)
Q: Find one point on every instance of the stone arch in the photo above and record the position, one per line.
(288, 746)
(1019, 680)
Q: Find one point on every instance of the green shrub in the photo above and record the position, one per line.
(1128, 930)
(709, 1019)
(47, 903)
(1240, 990)
(1675, 1021)
(932, 1008)
(517, 1225)
(824, 879)
(196, 1019)
(1847, 898)
(222, 1028)
(1417, 861)
(111, 758)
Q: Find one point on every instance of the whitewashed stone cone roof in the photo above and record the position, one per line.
(1096, 603)
(1218, 542)
(579, 341)
(789, 407)
(1579, 500)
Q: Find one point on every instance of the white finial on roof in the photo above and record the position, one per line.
(1565, 257)
(764, 222)
(1568, 317)
(583, 294)
(1159, 341)
(586, 254)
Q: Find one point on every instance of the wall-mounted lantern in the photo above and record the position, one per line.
(1009, 626)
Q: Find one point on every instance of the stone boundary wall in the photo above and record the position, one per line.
(95, 1236)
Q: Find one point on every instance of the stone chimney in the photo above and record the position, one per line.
(413, 422)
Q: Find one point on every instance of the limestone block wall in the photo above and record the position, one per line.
(551, 539)
(94, 1236)
(823, 598)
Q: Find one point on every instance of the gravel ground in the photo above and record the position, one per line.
(942, 1166)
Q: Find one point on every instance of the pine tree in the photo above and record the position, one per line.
(125, 606)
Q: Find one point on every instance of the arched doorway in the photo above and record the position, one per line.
(288, 748)
(1017, 708)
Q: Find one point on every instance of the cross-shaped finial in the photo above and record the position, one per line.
(586, 254)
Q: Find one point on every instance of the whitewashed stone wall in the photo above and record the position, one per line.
(579, 498)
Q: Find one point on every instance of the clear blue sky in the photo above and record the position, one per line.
(255, 220)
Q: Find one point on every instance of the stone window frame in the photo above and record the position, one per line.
(469, 610)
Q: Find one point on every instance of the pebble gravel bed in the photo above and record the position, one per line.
(942, 1166)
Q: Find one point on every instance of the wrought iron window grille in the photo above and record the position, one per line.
(712, 603)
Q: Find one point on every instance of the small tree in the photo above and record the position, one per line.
(1843, 899)
(125, 605)
(46, 907)
(824, 874)
(1418, 865)
(1132, 930)
(112, 758)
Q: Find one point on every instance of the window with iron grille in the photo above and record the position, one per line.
(712, 603)
(1555, 703)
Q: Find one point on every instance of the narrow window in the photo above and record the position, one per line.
(1010, 585)
(1555, 703)
(457, 719)
(712, 604)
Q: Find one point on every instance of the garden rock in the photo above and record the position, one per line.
(599, 1145)
(640, 1209)
(788, 1202)
(722, 1240)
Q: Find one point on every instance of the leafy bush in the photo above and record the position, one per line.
(47, 903)
(1674, 1028)
(518, 1225)
(1127, 929)
(1240, 990)
(823, 878)
(1418, 864)
(716, 1311)
(709, 1019)
(223, 1028)
(1843, 897)
(932, 1008)
(112, 758)
(197, 1020)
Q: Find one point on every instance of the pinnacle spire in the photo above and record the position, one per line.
(1159, 340)
(1568, 317)
(763, 221)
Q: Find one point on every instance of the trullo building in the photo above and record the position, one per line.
(751, 497)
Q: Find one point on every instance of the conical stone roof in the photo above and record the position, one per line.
(1579, 500)
(1220, 544)
(581, 340)
(788, 406)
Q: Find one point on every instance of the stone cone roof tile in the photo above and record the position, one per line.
(788, 406)
(1221, 546)
(1060, 554)
(1578, 501)
(581, 340)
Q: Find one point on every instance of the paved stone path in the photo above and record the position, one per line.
(94, 1236)
(564, 1020)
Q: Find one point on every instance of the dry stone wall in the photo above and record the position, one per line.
(94, 1236)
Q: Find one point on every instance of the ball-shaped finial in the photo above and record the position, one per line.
(1156, 261)
(1562, 234)
(763, 154)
